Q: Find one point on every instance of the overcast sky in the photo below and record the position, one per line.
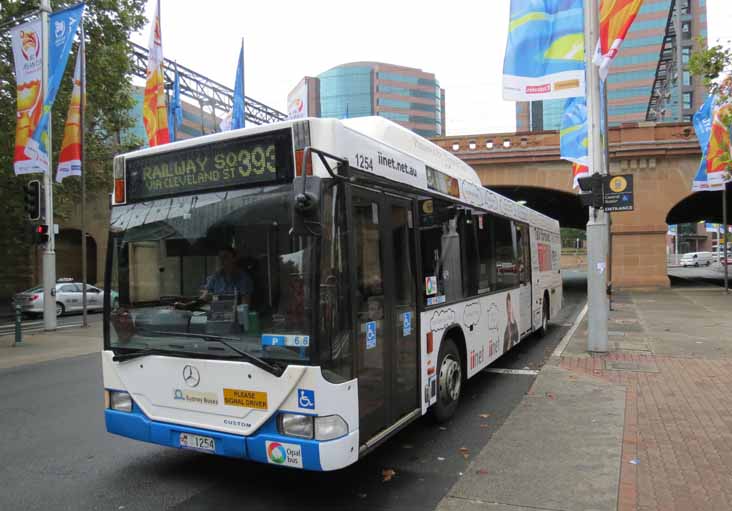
(462, 42)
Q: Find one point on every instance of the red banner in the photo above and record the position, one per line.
(154, 110)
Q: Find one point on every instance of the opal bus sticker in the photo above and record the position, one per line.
(280, 453)
(245, 398)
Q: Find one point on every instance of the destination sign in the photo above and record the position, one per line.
(259, 160)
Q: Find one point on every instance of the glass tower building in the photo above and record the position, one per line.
(648, 59)
(407, 96)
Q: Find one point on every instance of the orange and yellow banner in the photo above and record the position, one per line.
(154, 110)
(616, 17)
(69, 160)
(719, 163)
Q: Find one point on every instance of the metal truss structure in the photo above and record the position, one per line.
(666, 80)
(210, 95)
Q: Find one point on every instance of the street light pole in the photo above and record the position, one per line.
(49, 252)
(597, 225)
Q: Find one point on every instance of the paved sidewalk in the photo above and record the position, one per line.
(662, 398)
(47, 346)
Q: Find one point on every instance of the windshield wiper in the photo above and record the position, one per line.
(255, 360)
(142, 352)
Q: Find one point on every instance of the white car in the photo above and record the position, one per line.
(696, 259)
(68, 298)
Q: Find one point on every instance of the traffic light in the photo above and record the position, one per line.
(32, 200)
(41, 234)
(591, 194)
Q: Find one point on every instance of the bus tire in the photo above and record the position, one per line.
(449, 381)
(544, 315)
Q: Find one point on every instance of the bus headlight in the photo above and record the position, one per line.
(120, 401)
(330, 427)
(300, 426)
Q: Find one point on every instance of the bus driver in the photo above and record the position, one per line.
(229, 280)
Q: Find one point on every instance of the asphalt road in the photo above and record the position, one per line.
(56, 454)
(691, 276)
(35, 324)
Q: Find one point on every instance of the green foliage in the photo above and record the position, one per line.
(711, 64)
(108, 24)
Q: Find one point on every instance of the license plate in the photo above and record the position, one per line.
(201, 443)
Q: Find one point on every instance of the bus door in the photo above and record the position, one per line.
(385, 309)
(524, 276)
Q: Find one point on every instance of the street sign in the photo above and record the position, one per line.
(618, 193)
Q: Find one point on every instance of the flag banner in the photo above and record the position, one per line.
(154, 111)
(175, 113)
(718, 152)
(28, 58)
(703, 127)
(62, 29)
(578, 171)
(573, 141)
(545, 52)
(69, 159)
(237, 114)
(616, 17)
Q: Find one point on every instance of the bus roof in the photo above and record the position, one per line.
(389, 150)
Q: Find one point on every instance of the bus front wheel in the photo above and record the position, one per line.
(449, 381)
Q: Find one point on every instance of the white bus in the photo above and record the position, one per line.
(296, 293)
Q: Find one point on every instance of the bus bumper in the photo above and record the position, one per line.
(266, 446)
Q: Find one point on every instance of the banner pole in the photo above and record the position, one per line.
(597, 225)
(49, 252)
(82, 86)
(726, 238)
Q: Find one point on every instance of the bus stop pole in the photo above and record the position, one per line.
(597, 225)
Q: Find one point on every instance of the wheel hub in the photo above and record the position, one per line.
(450, 379)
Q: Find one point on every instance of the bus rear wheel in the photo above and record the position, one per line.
(449, 381)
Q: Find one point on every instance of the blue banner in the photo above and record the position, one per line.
(573, 142)
(545, 51)
(62, 29)
(175, 109)
(237, 115)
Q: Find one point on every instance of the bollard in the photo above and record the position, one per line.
(18, 319)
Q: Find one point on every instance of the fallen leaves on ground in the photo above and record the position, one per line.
(387, 475)
(482, 471)
(551, 395)
(485, 426)
(465, 452)
(484, 415)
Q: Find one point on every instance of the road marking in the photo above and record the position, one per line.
(500, 370)
(565, 340)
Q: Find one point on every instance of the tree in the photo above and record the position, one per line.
(108, 24)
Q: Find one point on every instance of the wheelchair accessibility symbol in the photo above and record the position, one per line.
(306, 399)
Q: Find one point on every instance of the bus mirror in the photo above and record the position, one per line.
(306, 204)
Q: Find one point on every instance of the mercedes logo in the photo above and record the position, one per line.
(191, 376)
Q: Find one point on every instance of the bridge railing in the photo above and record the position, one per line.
(207, 92)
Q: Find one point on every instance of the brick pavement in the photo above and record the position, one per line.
(678, 428)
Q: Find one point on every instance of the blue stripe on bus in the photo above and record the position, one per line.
(138, 426)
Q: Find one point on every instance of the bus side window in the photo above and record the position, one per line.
(441, 253)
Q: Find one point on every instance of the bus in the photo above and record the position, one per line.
(296, 293)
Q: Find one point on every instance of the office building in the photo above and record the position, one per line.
(649, 79)
(408, 96)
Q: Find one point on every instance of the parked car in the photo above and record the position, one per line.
(697, 259)
(68, 298)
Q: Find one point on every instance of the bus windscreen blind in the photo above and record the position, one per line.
(250, 161)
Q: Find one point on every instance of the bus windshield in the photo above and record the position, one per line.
(213, 275)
